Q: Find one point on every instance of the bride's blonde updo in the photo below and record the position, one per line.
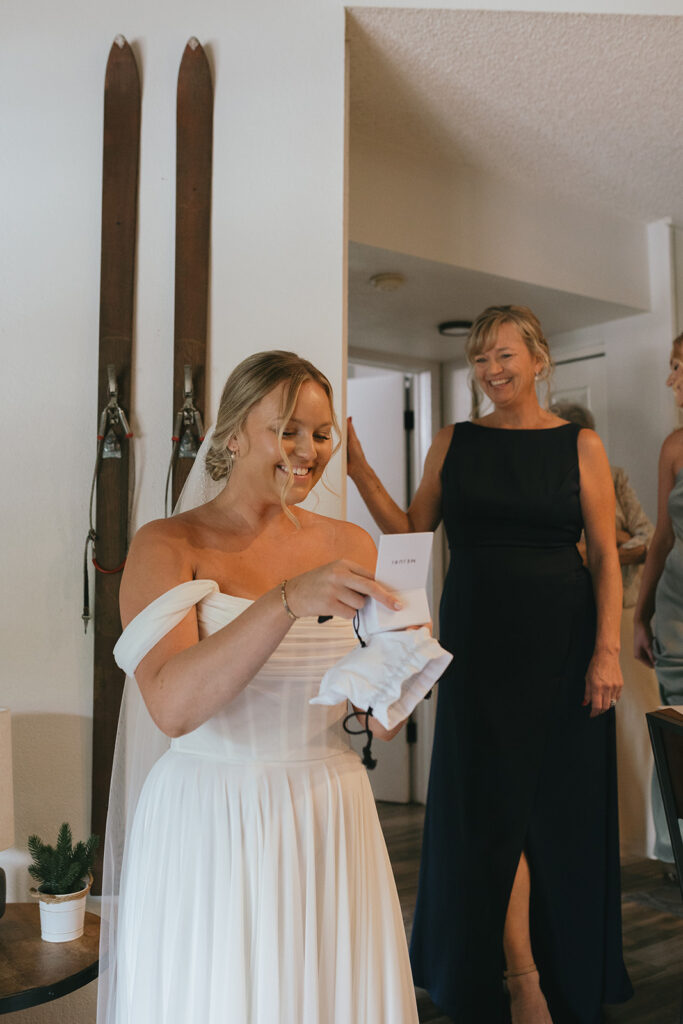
(483, 334)
(250, 381)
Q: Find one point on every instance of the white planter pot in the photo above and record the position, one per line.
(62, 917)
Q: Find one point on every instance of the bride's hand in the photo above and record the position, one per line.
(339, 588)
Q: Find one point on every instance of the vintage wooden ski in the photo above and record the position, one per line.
(193, 219)
(114, 468)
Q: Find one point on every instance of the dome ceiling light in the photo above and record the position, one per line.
(455, 328)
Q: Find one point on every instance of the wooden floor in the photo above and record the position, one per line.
(652, 918)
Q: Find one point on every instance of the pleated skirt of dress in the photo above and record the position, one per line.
(260, 894)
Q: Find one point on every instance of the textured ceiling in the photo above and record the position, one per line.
(582, 106)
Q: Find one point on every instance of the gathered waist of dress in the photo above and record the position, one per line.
(249, 759)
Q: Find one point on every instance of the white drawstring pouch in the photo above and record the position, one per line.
(391, 674)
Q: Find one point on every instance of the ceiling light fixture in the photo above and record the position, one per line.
(387, 282)
(455, 328)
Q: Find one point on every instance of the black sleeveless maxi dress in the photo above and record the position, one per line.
(517, 762)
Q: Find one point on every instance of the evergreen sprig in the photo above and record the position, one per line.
(64, 868)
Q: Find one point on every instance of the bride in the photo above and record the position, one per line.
(255, 886)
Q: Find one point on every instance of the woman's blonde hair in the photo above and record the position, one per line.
(250, 381)
(483, 334)
(677, 351)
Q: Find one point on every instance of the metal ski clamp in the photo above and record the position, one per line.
(191, 433)
(113, 428)
(112, 421)
(188, 433)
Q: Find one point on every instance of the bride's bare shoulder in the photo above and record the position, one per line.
(342, 539)
(161, 548)
(174, 531)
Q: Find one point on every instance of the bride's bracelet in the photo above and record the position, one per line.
(283, 595)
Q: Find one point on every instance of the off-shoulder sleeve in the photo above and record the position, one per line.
(156, 620)
(390, 674)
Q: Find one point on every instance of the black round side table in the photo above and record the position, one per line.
(33, 971)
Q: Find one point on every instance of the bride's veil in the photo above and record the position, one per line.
(139, 745)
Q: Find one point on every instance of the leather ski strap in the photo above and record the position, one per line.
(194, 141)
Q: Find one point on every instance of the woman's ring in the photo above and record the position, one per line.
(613, 703)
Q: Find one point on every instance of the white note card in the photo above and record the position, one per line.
(403, 565)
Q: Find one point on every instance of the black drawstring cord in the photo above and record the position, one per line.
(356, 628)
(368, 760)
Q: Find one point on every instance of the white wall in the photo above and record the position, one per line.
(277, 281)
(410, 204)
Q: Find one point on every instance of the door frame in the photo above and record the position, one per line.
(424, 433)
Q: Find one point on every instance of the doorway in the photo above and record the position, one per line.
(395, 406)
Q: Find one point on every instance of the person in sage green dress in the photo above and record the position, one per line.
(661, 590)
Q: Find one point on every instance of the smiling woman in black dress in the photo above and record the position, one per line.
(520, 868)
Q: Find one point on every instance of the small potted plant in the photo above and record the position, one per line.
(63, 874)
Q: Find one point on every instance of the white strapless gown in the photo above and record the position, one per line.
(256, 886)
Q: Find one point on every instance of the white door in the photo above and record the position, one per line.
(376, 404)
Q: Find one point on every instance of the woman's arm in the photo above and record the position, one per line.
(660, 546)
(425, 509)
(184, 681)
(603, 677)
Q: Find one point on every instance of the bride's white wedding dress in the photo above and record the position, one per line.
(256, 886)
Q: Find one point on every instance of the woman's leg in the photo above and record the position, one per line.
(527, 1002)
